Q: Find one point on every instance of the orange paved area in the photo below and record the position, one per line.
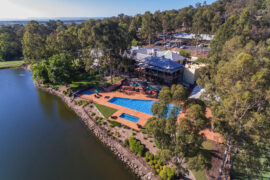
(143, 117)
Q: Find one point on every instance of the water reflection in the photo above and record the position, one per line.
(41, 138)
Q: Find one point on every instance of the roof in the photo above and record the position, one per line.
(196, 92)
(206, 37)
(170, 55)
(161, 64)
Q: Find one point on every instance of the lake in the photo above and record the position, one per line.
(42, 139)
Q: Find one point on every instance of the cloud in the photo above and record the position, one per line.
(12, 10)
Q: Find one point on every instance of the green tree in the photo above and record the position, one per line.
(10, 45)
(60, 68)
(148, 30)
(34, 41)
(240, 109)
(40, 72)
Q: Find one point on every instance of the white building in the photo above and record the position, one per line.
(191, 73)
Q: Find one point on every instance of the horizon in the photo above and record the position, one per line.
(15, 10)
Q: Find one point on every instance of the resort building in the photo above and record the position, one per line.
(157, 65)
(139, 53)
(160, 69)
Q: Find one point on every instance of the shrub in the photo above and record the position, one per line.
(96, 118)
(68, 92)
(114, 123)
(133, 133)
(126, 142)
(136, 146)
(126, 127)
(117, 134)
(151, 157)
(93, 114)
(91, 106)
(166, 173)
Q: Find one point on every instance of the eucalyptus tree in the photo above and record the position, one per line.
(34, 41)
(149, 27)
(10, 43)
(111, 39)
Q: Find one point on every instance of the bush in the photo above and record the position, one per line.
(126, 142)
(167, 173)
(68, 92)
(114, 123)
(81, 103)
(136, 146)
(133, 133)
(117, 134)
(93, 114)
(96, 118)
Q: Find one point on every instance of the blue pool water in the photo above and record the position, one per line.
(88, 92)
(129, 117)
(135, 104)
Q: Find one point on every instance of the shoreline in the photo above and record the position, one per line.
(136, 164)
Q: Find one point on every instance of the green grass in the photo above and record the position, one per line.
(115, 79)
(200, 175)
(104, 110)
(207, 145)
(84, 80)
(8, 64)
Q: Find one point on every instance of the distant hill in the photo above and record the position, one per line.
(66, 20)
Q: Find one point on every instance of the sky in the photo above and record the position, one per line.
(22, 9)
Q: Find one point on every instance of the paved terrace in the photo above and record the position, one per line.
(143, 117)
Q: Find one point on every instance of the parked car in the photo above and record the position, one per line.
(158, 44)
(183, 47)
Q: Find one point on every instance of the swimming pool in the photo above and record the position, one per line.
(129, 117)
(88, 92)
(136, 104)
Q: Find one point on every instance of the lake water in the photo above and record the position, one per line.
(42, 139)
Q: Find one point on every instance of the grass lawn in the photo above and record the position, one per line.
(115, 79)
(84, 80)
(105, 111)
(200, 175)
(7, 64)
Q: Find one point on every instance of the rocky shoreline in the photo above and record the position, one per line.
(135, 163)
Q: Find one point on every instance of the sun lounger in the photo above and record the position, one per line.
(114, 117)
(107, 97)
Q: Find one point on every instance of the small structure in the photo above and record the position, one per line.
(191, 73)
(196, 92)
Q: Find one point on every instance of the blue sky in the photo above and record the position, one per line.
(20, 9)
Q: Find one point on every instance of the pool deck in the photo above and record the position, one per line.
(143, 117)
